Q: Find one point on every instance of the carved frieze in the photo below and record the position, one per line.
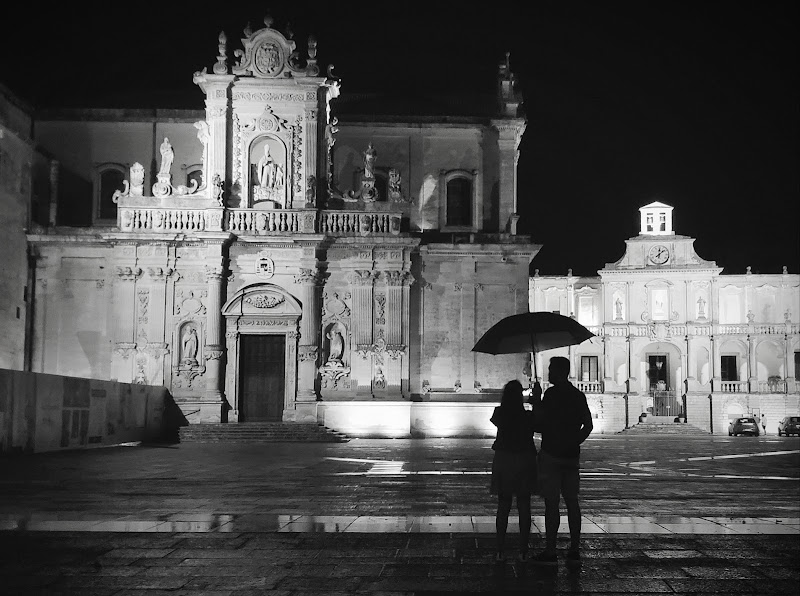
(380, 309)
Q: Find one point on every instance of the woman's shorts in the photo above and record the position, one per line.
(558, 476)
(513, 473)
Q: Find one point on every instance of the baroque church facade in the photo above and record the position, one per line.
(267, 259)
(676, 338)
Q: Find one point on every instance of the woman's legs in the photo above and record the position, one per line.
(524, 509)
(501, 521)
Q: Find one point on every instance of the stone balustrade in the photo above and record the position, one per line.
(589, 386)
(359, 223)
(144, 219)
(733, 387)
(133, 216)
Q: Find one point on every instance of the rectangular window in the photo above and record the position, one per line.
(589, 369)
(649, 223)
(728, 366)
(586, 310)
(662, 222)
(459, 202)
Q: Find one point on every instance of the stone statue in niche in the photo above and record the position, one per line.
(701, 308)
(269, 179)
(618, 309)
(336, 350)
(190, 345)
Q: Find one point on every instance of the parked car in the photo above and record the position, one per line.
(743, 426)
(790, 425)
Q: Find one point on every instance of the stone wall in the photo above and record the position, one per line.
(40, 412)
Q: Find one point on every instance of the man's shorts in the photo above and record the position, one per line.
(558, 475)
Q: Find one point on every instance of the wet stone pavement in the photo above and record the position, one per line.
(705, 515)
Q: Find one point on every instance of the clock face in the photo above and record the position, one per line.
(659, 255)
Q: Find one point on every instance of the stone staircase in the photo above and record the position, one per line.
(663, 425)
(260, 432)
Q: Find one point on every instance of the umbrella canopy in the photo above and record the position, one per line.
(531, 332)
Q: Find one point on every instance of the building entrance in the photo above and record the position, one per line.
(262, 370)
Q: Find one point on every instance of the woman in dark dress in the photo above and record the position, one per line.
(513, 466)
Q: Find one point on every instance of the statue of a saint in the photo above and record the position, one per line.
(270, 178)
(618, 309)
(190, 346)
(336, 346)
(167, 155)
(369, 161)
(701, 308)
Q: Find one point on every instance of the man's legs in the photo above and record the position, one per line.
(524, 510)
(574, 519)
(552, 520)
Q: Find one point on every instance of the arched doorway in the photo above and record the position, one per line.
(261, 334)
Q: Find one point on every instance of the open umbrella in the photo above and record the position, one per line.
(531, 332)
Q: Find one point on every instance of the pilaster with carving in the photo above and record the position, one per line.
(362, 287)
(510, 133)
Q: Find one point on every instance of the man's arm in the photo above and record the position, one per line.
(586, 420)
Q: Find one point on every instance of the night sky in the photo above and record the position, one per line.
(693, 104)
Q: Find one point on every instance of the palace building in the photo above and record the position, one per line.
(675, 338)
(278, 256)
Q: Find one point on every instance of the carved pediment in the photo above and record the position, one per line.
(268, 54)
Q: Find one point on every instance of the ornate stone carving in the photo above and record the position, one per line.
(307, 276)
(129, 273)
(362, 277)
(124, 349)
(307, 354)
(221, 67)
(297, 156)
(380, 309)
(379, 382)
(215, 272)
(264, 300)
(334, 307)
(213, 353)
(394, 186)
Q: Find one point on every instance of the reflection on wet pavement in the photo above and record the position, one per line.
(202, 522)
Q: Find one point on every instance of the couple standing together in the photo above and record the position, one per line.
(563, 419)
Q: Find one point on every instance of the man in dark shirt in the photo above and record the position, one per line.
(564, 421)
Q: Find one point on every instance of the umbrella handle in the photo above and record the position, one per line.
(533, 357)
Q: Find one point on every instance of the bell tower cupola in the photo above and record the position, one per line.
(656, 220)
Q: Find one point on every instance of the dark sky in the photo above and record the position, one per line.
(694, 104)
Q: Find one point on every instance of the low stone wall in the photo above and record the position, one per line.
(41, 412)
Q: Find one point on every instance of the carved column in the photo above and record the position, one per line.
(214, 347)
(157, 347)
(125, 306)
(361, 321)
(308, 280)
